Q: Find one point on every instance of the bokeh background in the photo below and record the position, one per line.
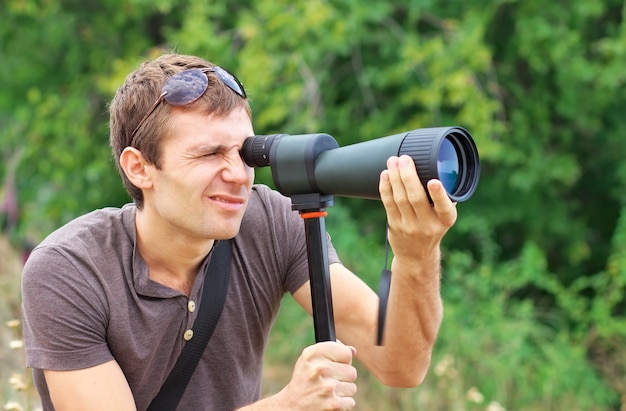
(534, 272)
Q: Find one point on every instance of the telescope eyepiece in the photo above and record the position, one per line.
(256, 150)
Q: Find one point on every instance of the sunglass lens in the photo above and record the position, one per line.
(229, 80)
(185, 87)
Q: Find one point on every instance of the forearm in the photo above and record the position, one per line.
(414, 316)
(415, 308)
(266, 404)
(281, 401)
(102, 387)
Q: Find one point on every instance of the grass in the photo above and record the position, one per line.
(16, 388)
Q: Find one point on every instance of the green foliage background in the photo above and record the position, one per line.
(534, 270)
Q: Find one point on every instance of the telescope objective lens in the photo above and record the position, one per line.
(448, 165)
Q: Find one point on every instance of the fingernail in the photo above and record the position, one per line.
(405, 161)
(432, 187)
(392, 163)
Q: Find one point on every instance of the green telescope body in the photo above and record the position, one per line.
(314, 163)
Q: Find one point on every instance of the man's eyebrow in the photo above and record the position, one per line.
(207, 148)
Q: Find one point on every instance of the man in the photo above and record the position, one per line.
(109, 299)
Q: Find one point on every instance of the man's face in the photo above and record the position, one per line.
(202, 188)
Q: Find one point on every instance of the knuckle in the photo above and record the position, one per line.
(337, 404)
(308, 353)
(354, 375)
(402, 202)
(327, 388)
(429, 231)
(320, 370)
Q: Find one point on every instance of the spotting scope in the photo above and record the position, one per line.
(314, 163)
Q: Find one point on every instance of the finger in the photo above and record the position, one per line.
(346, 403)
(417, 197)
(443, 206)
(407, 191)
(344, 395)
(341, 372)
(353, 349)
(391, 190)
(337, 351)
(386, 196)
(345, 389)
(410, 179)
(398, 171)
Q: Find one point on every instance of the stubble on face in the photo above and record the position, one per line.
(202, 187)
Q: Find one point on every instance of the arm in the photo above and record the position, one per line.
(65, 325)
(414, 311)
(102, 387)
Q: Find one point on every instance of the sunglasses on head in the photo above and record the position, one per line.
(189, 85)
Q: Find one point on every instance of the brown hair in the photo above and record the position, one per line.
(140, 90)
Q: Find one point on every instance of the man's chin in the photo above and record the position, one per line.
(228, 232)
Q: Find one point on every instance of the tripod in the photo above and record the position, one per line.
(312, 209)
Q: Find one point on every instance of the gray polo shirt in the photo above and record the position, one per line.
(87, 299)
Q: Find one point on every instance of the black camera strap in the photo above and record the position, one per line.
(384, 286)
(213, 298)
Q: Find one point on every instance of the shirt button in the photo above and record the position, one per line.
(191, 306)
(188, 335)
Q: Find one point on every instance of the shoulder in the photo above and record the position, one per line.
(94, 226)
(93, 239)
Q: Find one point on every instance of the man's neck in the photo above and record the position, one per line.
(173, 258)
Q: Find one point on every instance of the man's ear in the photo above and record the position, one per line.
(136, 168)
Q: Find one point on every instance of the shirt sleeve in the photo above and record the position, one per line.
(65, 319)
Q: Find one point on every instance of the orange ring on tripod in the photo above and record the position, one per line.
(314, 214)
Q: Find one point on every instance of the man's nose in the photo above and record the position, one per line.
(235, 168)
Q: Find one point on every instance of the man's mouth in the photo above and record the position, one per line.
(226, 200)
